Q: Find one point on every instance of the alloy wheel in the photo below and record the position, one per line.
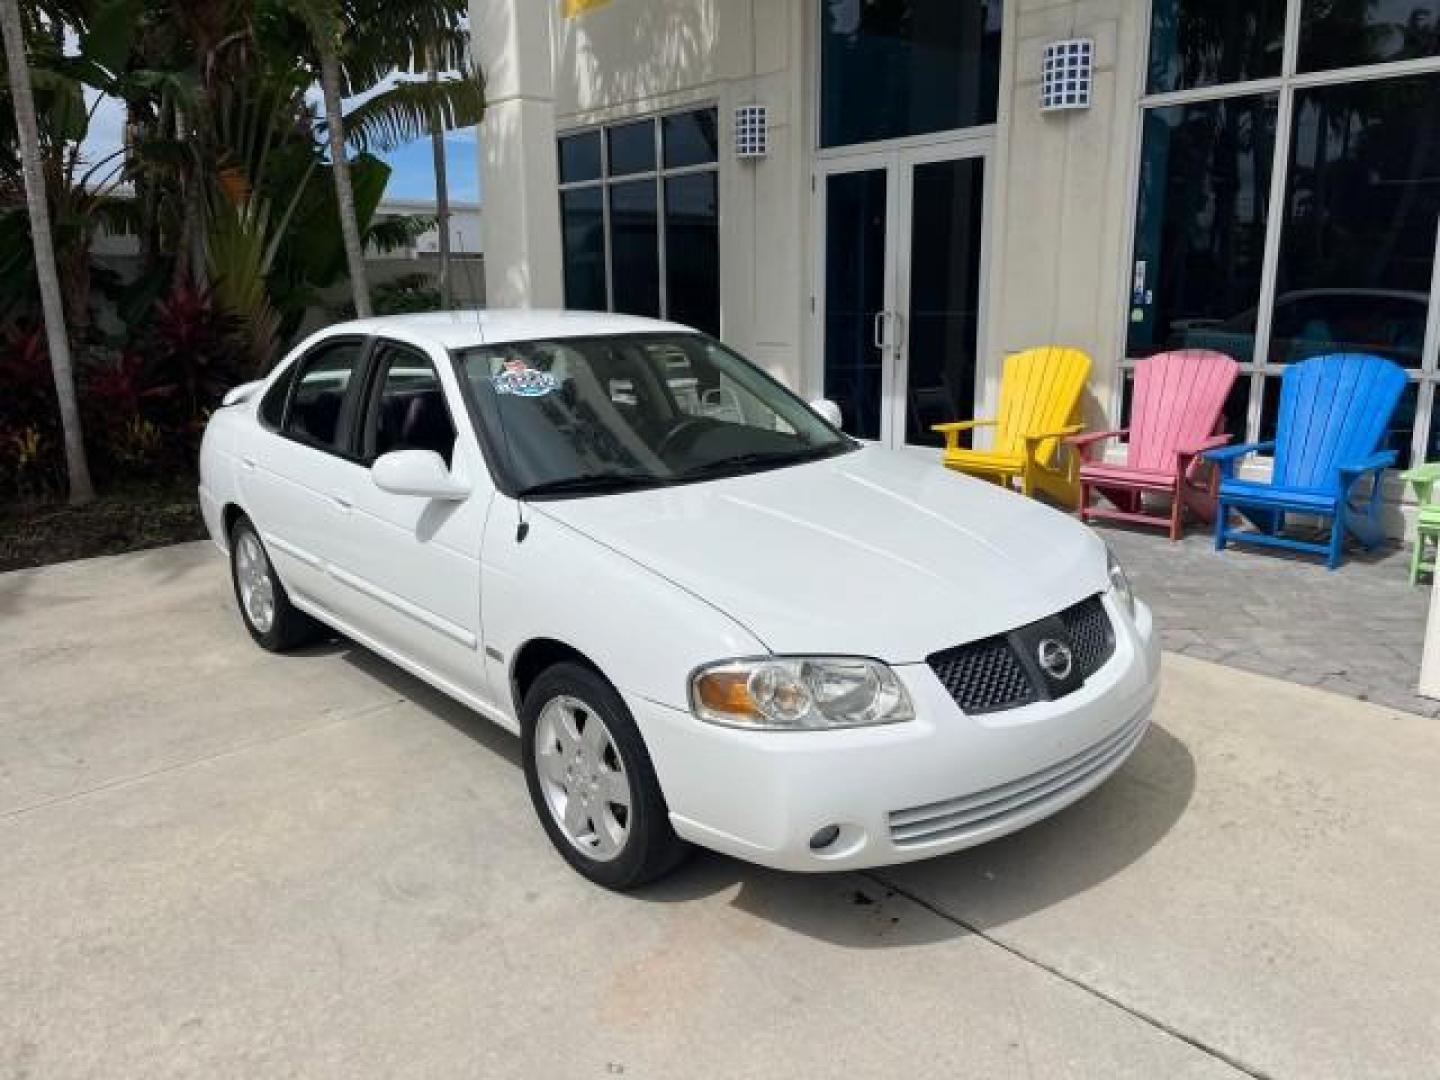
(257, 587)
(583, 778)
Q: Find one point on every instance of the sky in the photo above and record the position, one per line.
(413, 178)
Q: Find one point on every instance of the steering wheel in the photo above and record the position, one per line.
(688, 426)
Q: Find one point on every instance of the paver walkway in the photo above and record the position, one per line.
(1356, 631)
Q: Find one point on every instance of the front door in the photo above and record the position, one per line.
(898, 310)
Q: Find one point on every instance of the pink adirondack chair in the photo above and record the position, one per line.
(1177, 415)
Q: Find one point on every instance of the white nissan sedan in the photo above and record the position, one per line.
(710, 616)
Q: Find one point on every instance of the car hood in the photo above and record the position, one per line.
(874, 553)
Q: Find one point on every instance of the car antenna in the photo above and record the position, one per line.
(522, 526)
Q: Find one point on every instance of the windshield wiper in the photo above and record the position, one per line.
(761, 459)
(593, 484)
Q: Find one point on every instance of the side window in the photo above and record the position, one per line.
(272, 405)
(318, 402)
(408, 410)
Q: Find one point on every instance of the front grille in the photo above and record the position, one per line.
(985, 810)
(985, 676)
(996, 673)
(1091, 635)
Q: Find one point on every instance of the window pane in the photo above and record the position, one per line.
(635, 248)
(692, 251)
(944, 296)
(580, 157)
(1205, 42)
(1359, 232)
(632, 148)
(1200, 226)
(410, 412)
(691, 138)
(907, 67)
(855, 232)
(319, 396)
(1345, 33)
(583, 234)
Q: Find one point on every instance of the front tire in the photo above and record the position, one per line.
(592, 782)
(274, 622)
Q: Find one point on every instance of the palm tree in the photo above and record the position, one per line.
(82, 490)
(325, 20)
(428, 36)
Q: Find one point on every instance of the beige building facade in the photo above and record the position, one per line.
(1256, 178)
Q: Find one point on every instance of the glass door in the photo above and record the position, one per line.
(937, 358)
(858, 295)
(900, 298)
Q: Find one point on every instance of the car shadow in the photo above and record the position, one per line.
(917, 903)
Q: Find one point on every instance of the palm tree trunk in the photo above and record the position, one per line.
(81, 488)
(340, 167)
(442, 195)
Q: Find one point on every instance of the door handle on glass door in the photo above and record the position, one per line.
(879, 328)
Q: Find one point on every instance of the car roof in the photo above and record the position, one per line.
(466, 329)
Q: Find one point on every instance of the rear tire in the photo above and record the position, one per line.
(274, 622)
(592, 782)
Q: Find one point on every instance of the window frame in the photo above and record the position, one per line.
(1287, 85)
(657, 176)
(381, 354)
(345, 428)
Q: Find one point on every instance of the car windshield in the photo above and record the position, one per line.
(579, 416)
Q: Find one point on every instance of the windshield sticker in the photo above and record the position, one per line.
(524, 381)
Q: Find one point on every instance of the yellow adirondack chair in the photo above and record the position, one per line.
(1039, 407)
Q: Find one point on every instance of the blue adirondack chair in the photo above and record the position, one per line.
(1334, 411)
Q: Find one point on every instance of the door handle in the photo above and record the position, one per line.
(342, 501)
(879, 329)
(248, 462)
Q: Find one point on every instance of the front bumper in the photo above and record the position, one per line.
(898, 793)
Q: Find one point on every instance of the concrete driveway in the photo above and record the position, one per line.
(218, 863)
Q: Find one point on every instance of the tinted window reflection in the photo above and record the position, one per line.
(891, 68)
(1206, 42)
(1200, 226)
(635, 248)
(944, 296)
(854, 294)
(1346, 33)
(632, 148)
(691, 138)
(692, 251)
(580, 157)
(1359, 233)
(582, 224)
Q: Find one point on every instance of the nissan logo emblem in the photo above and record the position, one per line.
(1056, 658)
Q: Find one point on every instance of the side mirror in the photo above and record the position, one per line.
(420, 473)
(828, 411)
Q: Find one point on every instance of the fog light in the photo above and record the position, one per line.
(823, 838)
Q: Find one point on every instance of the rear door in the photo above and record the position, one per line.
(297, 475)
(415, 563)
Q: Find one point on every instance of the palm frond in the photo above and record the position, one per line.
(403, 113)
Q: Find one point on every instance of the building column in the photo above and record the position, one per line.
(518, 174)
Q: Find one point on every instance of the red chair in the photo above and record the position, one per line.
(1177, 414)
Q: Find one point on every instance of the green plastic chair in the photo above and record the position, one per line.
(1423, 479)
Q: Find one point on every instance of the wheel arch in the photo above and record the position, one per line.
(531, 659)
(229, 515)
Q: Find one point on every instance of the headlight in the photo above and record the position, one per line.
(799, 693)
(1120, 583)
